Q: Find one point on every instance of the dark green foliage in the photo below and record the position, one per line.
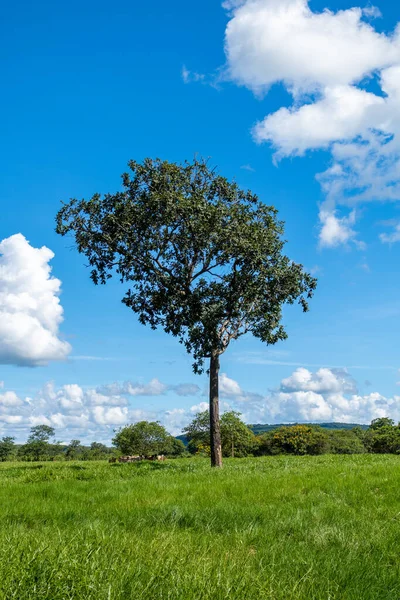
(384, 439)
(260, 428)
(237, 439)
(40, 433)
(74, 450)
(381, 422)
(202, 258)
(38, 447)
(175, 447)
(7, 447)
(143, 438)
(342, 441)
(198, 431)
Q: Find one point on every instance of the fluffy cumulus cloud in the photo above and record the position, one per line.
(92, 413)
(324, 395)
(30, 309)
(88, 414)
(326, 61)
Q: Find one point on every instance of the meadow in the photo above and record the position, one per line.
(274, 528)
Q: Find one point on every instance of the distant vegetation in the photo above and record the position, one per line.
(238, 440)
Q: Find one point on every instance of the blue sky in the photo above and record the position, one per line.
(86, 88)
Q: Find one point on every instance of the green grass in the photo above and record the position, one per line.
(278, 528)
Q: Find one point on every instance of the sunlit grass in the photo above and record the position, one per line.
(274, 528)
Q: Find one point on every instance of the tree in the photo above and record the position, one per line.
(99, 451)
(381, 422)
(175, 448)
(143, 438)
(236, 438)
(6, 447)
(37, 445)
(198, 432)
(383, 437)
(74, 449)
(40, 433)
(345, 441)
(203, 260)
(300, 439)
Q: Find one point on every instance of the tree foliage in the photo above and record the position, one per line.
(237, 439)
(7, 447)
(143, 438)
(295, 439)
(202, 258)
(40, 433)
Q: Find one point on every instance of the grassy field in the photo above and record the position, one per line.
(268, 528)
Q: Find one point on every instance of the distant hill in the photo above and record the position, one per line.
(262, 428)
(259, 428)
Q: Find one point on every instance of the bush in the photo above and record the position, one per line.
(344, 441)
(294, 439)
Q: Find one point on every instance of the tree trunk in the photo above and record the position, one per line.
(215, 432)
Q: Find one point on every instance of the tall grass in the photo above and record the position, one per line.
(274, 528)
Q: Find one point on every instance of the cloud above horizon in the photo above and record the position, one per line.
(328, 62)
(93, 413)
(30, 309)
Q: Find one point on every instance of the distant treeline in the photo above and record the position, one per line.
(238, 440)
(381, 436)
(260, 428)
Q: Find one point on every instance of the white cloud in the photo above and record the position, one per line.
(322, 381)
(153, 388)
(343, 112)
(334, 230)
(327, 395)
(201, 407)
(325, 61)
(191, 76)
(10, 399)
(269, 41)
(229, 387)
(110, 416)
(30, 310)
(391, 238)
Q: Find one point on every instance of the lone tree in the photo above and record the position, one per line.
(202, 259)
(147, 438)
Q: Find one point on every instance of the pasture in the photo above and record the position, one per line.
(276, 528)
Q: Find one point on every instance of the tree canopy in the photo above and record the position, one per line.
(202, 257)
(143, 438)
(236, 438)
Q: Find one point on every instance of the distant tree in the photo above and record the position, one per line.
(203, 260)
(383, 438)
(74, 450)
(236, 438)
(143, 438)
(175, 447)
(381, 422)
(98, 451)
(37, 446)
(6, 447)
(198, 432)
(41, 433)
(345, 441)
